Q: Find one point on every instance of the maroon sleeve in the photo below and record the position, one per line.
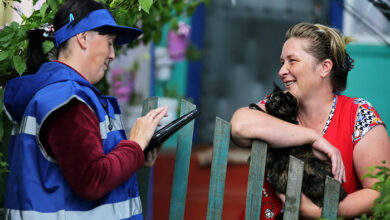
(71, 135)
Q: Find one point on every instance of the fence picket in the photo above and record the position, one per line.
(182, 164)
(255, 180)
(218, 169)
(294, 187)
(218, 175)
(331, 198)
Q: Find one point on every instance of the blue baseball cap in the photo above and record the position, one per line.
(96, 19)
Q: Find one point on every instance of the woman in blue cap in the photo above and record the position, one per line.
(69, 157)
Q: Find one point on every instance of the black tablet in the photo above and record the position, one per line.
(164, 133)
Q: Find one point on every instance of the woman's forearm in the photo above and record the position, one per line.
(250, 124)
(357, 203)
(354, 205)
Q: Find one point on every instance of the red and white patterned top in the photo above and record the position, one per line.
(349, 120)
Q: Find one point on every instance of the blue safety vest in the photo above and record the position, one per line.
(36, 188)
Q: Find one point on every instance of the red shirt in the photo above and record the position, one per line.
(352, 119)
(71, 136)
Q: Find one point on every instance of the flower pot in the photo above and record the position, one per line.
(177, 45)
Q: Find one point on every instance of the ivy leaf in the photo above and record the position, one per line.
(145, 5)
(47, 46)
(19, 65)
(3, 55)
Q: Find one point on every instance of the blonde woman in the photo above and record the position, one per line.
(314, 68)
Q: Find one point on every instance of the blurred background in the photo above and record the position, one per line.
(223, 57)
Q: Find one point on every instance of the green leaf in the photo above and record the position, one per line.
(130, 21)
(53, 4)
(1, 118)
(6, 44)
(3, 55)
(47, 46)
(43, 9)
(19, 65)
(120, 16)
(145, 5)
(157, 37)
(1, 106)
(6, 37)
(24, 17)
(14, 26)
(179, 7)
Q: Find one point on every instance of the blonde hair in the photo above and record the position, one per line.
(326, 43)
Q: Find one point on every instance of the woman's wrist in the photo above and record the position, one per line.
(308, 209)
(314, 138)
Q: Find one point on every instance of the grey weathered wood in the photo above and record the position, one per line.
(143, 174)
(294, 187)
(255, 180)
(331, 198)
(149, 104)
(182, 164)
(218, 169)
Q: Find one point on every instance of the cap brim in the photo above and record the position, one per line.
(125, 34)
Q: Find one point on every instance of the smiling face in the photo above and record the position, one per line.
(299, 71)
(100, 53)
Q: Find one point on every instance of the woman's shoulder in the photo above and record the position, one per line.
(354, 102)
(365, 117)
(358, 107)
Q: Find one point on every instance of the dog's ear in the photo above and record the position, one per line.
(276, 88)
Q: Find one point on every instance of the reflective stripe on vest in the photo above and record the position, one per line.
(36, 187)
(120, 210)
(29, 126)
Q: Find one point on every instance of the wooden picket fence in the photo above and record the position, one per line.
(218, 175)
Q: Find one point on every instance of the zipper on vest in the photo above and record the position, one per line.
(104, 104)
(109, 118)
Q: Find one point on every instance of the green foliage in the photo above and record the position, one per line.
(150, 15)
(13, 41)
(147, 15)
(3, 165)
(381, 209)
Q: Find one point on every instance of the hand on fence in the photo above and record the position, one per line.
(144, 127)
(323, 146)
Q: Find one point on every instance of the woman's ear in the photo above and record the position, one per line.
(82, 39)
(327, 65)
